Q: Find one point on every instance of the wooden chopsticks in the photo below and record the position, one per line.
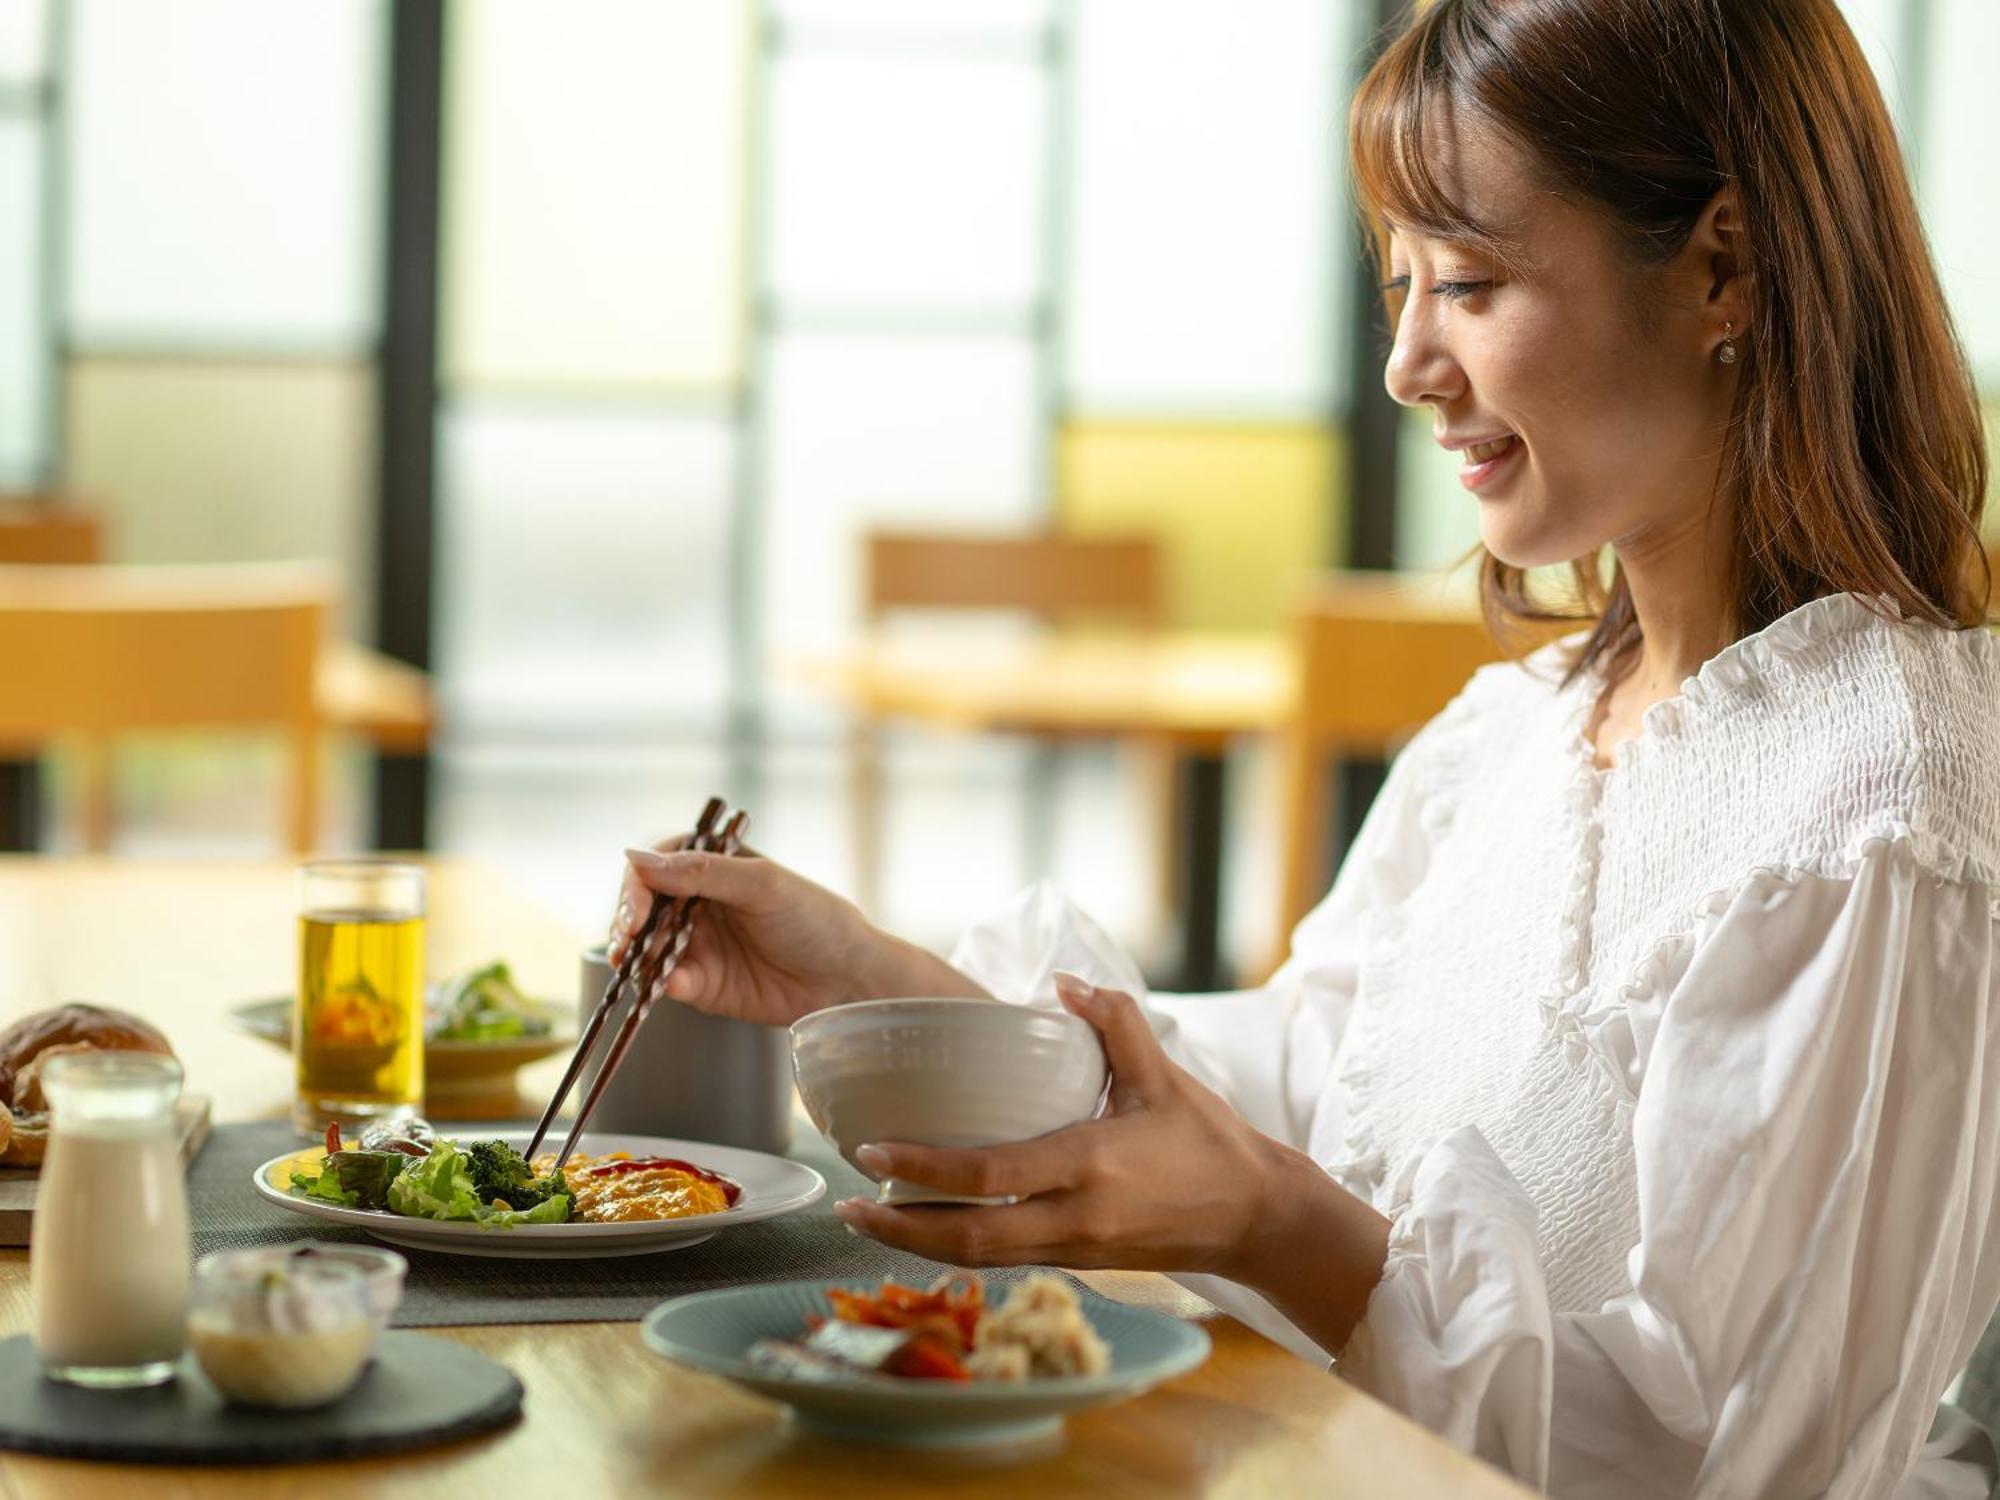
(650, 957)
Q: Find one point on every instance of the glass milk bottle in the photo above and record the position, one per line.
(108, 1258)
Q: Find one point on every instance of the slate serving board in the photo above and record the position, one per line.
(18, 1186)
(421, 1390)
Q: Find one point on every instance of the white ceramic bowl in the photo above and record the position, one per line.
(944, 1073)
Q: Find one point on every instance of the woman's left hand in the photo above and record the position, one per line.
(1168, 1178)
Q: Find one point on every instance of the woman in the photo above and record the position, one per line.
(1629, 1112)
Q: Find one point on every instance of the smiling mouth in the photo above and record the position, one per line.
(1479, 453)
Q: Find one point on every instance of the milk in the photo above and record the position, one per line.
(108, 1265)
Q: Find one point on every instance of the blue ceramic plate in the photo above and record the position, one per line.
(713, 1331)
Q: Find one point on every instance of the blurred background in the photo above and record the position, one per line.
(586, 346)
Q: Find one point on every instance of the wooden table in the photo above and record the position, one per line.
(1198, 689)
(603, 1417)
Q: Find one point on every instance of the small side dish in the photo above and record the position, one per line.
(485, 1005)
(883, 1371)
(946, 1332)
(279, 1331)
(382, 1272)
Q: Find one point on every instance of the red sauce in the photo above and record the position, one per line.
(730, 1191)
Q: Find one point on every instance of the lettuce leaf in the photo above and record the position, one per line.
(325, 1183)
(551, 1210)
(440, 1187)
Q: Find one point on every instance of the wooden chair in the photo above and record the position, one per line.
(1049, 576)
(97, 652)
(1377, 657)
(1053, 578)
(50, 528)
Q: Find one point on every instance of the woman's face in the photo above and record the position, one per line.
(1581, 391)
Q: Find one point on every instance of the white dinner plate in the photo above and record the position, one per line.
(771, 1186)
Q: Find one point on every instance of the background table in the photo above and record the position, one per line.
(1369, 657)
(178, 943)
(1191, 691)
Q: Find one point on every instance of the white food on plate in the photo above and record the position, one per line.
(1039, 1330)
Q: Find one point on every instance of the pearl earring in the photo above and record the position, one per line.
(1727, 353)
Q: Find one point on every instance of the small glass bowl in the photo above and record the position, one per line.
(277, 1334)
(381, 1271)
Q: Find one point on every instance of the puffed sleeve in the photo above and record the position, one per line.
(1815, 1132)
(1268, 1050)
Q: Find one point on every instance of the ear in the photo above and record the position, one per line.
(1716, 264)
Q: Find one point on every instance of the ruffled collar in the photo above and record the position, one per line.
(1808, 635)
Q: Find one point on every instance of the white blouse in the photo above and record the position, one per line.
(1679, 1081)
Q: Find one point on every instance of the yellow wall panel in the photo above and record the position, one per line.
(1242, 508)
(594, 215)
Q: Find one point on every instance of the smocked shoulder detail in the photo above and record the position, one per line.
(1837, 735)
(1517, 983)
(1852, 716)
(1792, 752)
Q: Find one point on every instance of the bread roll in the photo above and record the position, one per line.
(28, 1096)
(24, 1136)
(96, 1025)
(27, 1140)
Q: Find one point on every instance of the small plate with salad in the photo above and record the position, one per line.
(618, 1195)
(478, 1028)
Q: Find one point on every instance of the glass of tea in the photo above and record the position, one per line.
(358, 1027)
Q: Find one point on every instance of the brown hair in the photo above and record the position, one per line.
(1855, 458)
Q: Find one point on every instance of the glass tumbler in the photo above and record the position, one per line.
(108, 1253)
(358, 1027)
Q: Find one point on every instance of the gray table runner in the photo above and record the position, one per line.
(450, 1290)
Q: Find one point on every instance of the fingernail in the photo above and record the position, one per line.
(849, 1210)
(650, 858)
(874, 1160)
(1071, 987)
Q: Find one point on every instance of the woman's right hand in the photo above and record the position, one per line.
(769, 945)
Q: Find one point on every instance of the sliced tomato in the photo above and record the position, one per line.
(923, 1358)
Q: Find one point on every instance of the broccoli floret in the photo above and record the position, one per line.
(501, 1173)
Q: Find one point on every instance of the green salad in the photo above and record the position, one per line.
(487, 1182)
(485, 1005)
